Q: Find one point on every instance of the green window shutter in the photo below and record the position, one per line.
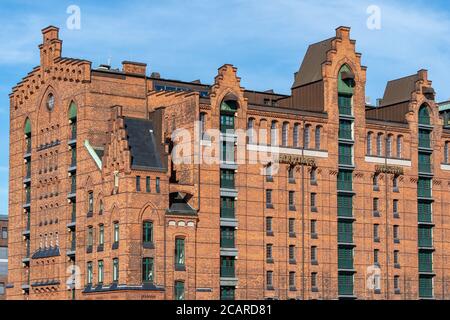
(425, 235)
(345, 232)
(345, 284)
(424, 116)
(345, 130)
(425, 286)
(424, 163)
(345, 180)
(345, 154)
(27, 129)
(425, 211)
(345, 86)
(345, 258)
(424, 188)
(179, 252)
(345, 206)
(425, 261)
(179, 290)
(73, 111)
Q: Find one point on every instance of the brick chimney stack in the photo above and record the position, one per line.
(51, 47)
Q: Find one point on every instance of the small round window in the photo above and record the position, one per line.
(50, 102)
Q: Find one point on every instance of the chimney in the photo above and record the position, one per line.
(343, 33)
(136, 68)
(51, 46)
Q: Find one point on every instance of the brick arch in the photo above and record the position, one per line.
(43, 100)
(149, 210)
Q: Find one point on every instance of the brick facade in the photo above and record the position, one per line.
(81, 123)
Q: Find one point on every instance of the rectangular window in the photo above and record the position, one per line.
(345, 206)
(179, 252)
(227, 207)
(269, 279)
(424, 188)
(269, 224)
(292, 280)
(227, 267)
(425, 211)
(396, 283)
(345, 181)
(89, 272)
(4, 233)
(291, 175)
(148, 188)
(115, 270)
(313, 201)
(116, 232)
(90, 237)
(396, 257)
(292, 253)
(147, 270)
(313, 254)
(227, 237)
(345, 258)
(425, 261)
(90, 202)
(345, 232)
(345, 104)
(345, 154)
(101, 235)
(395, 207)
(313, 280)
(376, 204)
(425, 237)
(147, 232)
(292, 226)
(376, 233)
(100, 271)
(313, 227)
(376, 253)
(396, 233)
(179, 290)
(269, 197)
(426, 285)
(291, 199)
(269, 252)
(345, 284)
(227, 293)
(345, 130)
(138, 183)
(227, 179)
(158, 185)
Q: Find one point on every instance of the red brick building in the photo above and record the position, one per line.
(100, 208)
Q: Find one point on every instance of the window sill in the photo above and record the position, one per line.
(396, 216)
(180, 268)
(397, 266)
(270, 233)
(100, 248)
(314, 183)
(376, 214)
(314, 289)
(377, 240)
(292, 289)
(314, 209)
(269, 206)
(292, 208)
(89, 250)
(292, 261)
(115, 246)
(397, 241)
(292, 235)
(377, 291)
(314, 236)
(148, 245)
(270, 288)
(269, 179)
(90, 214)
(314, 263)
(270, 261)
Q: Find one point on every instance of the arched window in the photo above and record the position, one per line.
(389, 142)
(202, 124)
(73, 120)
(307, 137)
(147, 232)
(446, 152)
(27, 132)
(317, 135)
(399, 147)
(285, 134)
(346, 85)
(274, 134)
(380, 145)
(228, 110)
(251, 130)
(424, 115)
(295, 135)
(369, 143)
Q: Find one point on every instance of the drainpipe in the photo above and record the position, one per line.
(386, 213)
(303, 213)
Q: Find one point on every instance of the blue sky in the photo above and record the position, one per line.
(188, 40)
